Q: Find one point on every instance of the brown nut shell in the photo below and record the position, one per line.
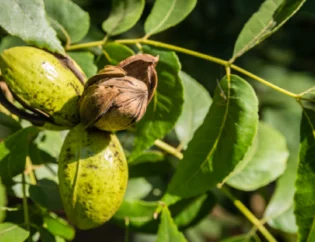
(114, 104)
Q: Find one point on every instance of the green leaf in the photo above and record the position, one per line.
(58, 227)
(29, 23)
(282, 219)
(239, 238)
(47, 171)
(264, 162)
(305, 190)
(50, 141)
(149, 156)
(138, 212)
(150, 168)
(8, 125)
(13, 153)
(45, 235)
(11, 232)
(269, 18)
(220, 143)
(166, 106)
(3, 201)
(117, 52)
(46, 194)
(168, 231)
(58, 239)
(197, 102)
(137, 188)
(166, 14)
(189, 212)
(10, 41)
(113, 53)
(85, 60)
(73, 20)
(124, 15)
(284, 114)
(186, 212)
(38, 156)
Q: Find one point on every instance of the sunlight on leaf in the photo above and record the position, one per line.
(197, 102)
(12, 232)
(269, 18)
(124, 15)
(220, 143)
(29, 22)
(168, 231)
(166, 14)
(266, 161)
(74, 21)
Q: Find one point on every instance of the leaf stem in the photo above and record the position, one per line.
(192, 53)
(209, 58)
(86, 45)
(249, 215)
(261, 80)
(175, 48)
(25, 205)
(30, 170)
(169, 149)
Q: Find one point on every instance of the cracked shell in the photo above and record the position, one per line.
(50, 84)
(93, 175)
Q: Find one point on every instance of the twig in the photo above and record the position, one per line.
(169, 149)
(249, 215)
(25, 205)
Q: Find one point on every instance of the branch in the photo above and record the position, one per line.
(169, 149)
(188, 52)
(249, 215)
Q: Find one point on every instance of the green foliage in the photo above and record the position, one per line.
(166, 14)
(124, 15)
(161, 114)
(195, 108)
(279, 212)
(65, 17)
(304, 205)
(167, 230)
(58, 227)
(14, 150)
(46, 194)
(3, 201)
(268, 19)
(197, 137)
(85, 60)
(116, 53)
(12, 232)
(239, 238)
(30, 23)
(217, 148)
(264, 162)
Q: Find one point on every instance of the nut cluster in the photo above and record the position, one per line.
(118, 96)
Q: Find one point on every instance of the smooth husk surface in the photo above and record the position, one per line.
(43, 82)
(93, 175)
